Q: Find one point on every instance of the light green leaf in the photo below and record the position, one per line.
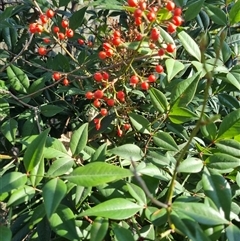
(128, 151)
(116, 208)
(140, 123)
(12, 180)
(218, 190)
(230, 147)
(230, 125)
(158, 100)
(233, 232)
(137, 193)
(173, 67)
(191, 165)
(165, 141)
(97, 173)
(190, 45)
(234, 14)
(60, 166)
(37, 172)
(79, 139)
(100, 153)
(53, 192)
(99, 229)
(9, 129)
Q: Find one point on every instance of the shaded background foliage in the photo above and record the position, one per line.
(174, 175)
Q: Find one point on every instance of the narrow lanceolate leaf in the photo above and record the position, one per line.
(18, 79)
(140, 123)
(230, 147)
(34, 152)
(234, 14)
(191, 165)
(12, 180)
(63, 223)
(60, 166)
(165, 141)
(99, 229)
(122, 234)
(193, 9)
(185, 90)
(6, 233)
(116, 208)
(200, 213)
(230, 125)
(158, 100)
(173, 68)
(129, 152)
(190, 45)
(97, 173)
(233, 232)
(53, 193)
(218, 190)
(9, 129)
(77, 18)
(79, 139)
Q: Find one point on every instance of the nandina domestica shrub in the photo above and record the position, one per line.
(120, 120)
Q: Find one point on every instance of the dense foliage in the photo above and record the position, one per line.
(120, 120)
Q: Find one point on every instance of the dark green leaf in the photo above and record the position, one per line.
(165, 141)
(122, 234)
(60, 166)
(77, 18)
(158, 100)
(50, 110)
(6, 233)
(193, 9)
(116, 208)
(230, 147)
(140, 123)
(9, 129)
(216, 14)
(97, 173)
(99, 229)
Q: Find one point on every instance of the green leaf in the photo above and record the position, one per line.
(232, 232)
(53, 192)
(35, 87)
(60, 166)
(6, 233)
(190, 165)
(140, 123)
(216, 14)
(122, 234)
(179, 115)
(230, 147)
(116, 208)
(218, 190)
(193, 9)
(190, 45)
(63, 223)
(79, 139)
(37, 172)
(185, 90)
(232, 80)
(200, 213)
(12, 180)
(18, 79)
(230, 125)
(97, 173)
(100, 153)
(9, 129)
(228, 101)
(137, 193)
(128, 151)
(99, 229)
(77, 18)
(158, 100)
(222, 162)
(21, 195)
(50, 110)
(34, 153)
(173, 67)
(4, 108)
(234, 14)
(165, 141)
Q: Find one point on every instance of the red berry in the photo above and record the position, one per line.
(119, 132)
(89, 95)
(144, 86)
(152, 45)
(177, 11)
(171, 28)
(110, 102)
(98, 94)
(138, 13)
(61, 36)
(170, 5)
(142, 5)
(69, 33)
(120, 95)
(65, 82)
(65, 23)
(116, 41)
(139, 37)
(102, 55)
(154, 34)
(56, 29)
(32, 28)
(151, 78)
(134, 80)
(159, 68)
(46, 40)
(98, 126)
(97, 103)
(56, 76)
(170, 48)
(98, 76)
(116, 34)
(109, 53)
(138, 21)
(105, 75)
(104, 112)
(133, 3)
(50, 13)
(81, 41)
(42, 51)
(39, 28)
(126, 126)
(44, 18)
(151, 16)
(107, 46)
(161, 52)
(177, 20)
(96, 121)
